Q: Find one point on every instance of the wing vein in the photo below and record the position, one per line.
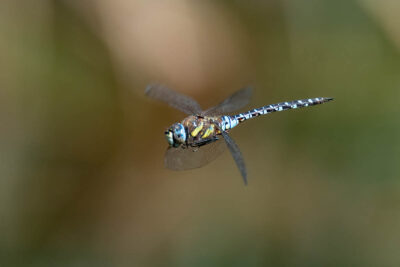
(237, 155)
(176, 100)
(234, 102)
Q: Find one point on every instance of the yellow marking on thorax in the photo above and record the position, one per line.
(197, 130)
(209, 131)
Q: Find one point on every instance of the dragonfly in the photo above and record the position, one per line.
(203, 135)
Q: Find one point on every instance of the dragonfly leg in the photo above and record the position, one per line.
(204, 142)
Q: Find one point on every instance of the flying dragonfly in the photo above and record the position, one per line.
(197, 139)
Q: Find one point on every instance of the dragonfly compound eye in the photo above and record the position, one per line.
(179, 133)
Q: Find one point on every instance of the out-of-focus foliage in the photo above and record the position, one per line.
(82, 181)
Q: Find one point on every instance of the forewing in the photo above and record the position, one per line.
(174, 99)
(237, 156)
(236, 101)
(190, 158)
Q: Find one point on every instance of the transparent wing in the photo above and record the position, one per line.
(237, 156)
(236, 101)
(174, 99)
(190, 158)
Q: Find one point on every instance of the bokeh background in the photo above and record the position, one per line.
(82, 181)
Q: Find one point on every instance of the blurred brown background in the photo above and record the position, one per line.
(82, 181)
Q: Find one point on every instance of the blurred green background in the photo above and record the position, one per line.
(82, 181)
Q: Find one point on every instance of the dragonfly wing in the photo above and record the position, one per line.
(193, 157)
(176, 100)
(236, 101)
(237, 156)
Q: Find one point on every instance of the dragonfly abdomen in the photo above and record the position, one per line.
(228, 122)
(279, 107)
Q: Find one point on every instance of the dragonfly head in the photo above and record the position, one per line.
(176, 135)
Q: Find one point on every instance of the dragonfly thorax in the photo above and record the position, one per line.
(194, 131)
(201, 129)
(176, 135)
